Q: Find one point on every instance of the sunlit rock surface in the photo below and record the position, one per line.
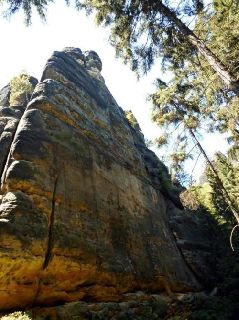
(85, 213)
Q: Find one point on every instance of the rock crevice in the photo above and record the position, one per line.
(50, 241)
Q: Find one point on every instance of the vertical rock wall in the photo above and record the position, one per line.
(84, 213)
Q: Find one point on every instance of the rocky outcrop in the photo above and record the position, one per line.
(5, 96)
(9, 119)
(139, 308)
(86, 207)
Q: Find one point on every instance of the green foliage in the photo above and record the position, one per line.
(132, 120)
(224, 5)
(210, 196)
(27, 6)
(196, 96)
(195, 99)
(204, 195)
(228, 171)
(141, 31)
(21, 88)
(199, 196)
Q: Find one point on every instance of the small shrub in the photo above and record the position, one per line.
(21, 88)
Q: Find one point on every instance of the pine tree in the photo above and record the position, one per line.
(194, 98)
(142, 29)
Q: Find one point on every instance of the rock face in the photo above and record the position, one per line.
(153, 308)
(9, 119)
(84, 214)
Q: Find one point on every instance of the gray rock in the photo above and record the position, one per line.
(5, 96)
(85, 204)
(92, 60)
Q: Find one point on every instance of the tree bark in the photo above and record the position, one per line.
(217, 65)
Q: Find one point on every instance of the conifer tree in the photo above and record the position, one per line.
(228, 171)
(194, 98)
(141, 30)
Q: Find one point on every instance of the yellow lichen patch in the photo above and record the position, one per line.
(12, 297)
(10, 242)
(78, 207)
(50, 108)
(28, 187)
(70, 281)
(38, 248)
(101, 124)
(61, 278)
(70, 284)
(18, 280)
(42, 198)
(19, 267)
(89, 134)
(62, 269)
(24, 282)
(42, 203)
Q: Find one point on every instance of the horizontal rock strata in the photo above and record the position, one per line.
(85, 214)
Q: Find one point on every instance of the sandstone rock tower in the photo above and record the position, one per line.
(84, 212)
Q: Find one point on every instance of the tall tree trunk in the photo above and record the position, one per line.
(211, 58)
(219, 181)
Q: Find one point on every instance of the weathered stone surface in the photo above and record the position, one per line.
(85, 210)
(9, 119)
(195, 240)
(138, 307)
(5, 96)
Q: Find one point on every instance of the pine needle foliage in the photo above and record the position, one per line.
(28, 6)
(196, 100)
(141, 31)
(228, 171)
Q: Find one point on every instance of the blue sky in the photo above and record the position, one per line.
(28, 48)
